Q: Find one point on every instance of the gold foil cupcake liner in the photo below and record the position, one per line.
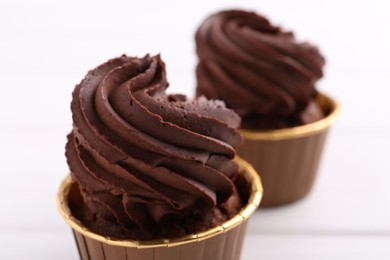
(288, 159)
(90, 242)
(328, 104)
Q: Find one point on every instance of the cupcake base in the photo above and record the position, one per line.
(223, 242)
(288, 159)
(221, 247)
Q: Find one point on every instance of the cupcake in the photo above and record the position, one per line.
(153, 176)
(268, 77)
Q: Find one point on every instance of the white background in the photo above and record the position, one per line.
(46, 48)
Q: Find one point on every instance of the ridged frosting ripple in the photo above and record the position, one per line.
(258, 69)
(149, 164)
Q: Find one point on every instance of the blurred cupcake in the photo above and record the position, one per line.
(153, 175)
(269, 79)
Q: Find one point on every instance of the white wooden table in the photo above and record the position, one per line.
(47, 47)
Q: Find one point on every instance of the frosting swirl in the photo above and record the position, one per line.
(147, 162)
(258, 69)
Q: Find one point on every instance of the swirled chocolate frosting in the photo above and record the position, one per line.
(148, 164)
(258, 69)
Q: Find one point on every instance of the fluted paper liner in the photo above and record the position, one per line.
(288, 158)
(222, 242)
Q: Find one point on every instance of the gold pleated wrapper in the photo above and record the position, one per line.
(223, 242)
(288, 159)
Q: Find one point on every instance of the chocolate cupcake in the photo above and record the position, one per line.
(269, 79)
(151, 170)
